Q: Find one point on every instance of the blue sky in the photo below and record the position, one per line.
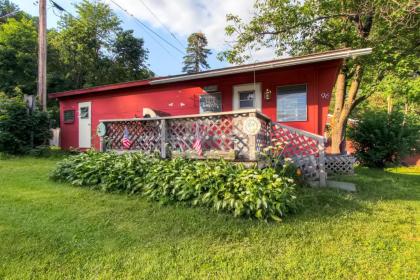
(181, 17)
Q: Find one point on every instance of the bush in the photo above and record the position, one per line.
(21, 131)
(248, 192)
(381, 139)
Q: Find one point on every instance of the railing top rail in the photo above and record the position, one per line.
(258, 113)
(302, 132)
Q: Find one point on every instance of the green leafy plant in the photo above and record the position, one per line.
(21, 130)
(267, 194)
(382, 139)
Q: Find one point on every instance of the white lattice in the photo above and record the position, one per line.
(339, 164)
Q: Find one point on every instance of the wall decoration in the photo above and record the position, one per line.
(267, 94)
(210, 102)
(101, 129)
(251, 125)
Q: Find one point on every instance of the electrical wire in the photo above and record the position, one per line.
(148, 28)
(158, 19)
(9, 14)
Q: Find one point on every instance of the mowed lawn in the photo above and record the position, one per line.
(56, 231)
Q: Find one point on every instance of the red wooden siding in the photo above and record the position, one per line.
(182, 98)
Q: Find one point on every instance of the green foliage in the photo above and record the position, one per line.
(248, 192)
(86, 50)
(196, 58)
(18, 56)
(21, 130)
(301, 27)
(92, 49)
(381, 139)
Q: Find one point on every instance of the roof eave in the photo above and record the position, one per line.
(278, 64)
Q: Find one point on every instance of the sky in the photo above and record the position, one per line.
(167, 17)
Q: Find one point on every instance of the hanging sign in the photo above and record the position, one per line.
(210, 102)
(101, 129)
(251, 126)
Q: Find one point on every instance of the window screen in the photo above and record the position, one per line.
(291, 103)
(247, 99)
(84, 112)
(68, 116)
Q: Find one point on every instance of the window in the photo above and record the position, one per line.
(291, 103)
(68, 116)
(246, 99)
(84, 112)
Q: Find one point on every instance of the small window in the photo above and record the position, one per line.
(291, 103)
(68, 116)
(247, 99)
(84, 112)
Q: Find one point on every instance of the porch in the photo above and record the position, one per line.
(237, 136)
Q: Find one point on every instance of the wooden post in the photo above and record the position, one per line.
(252, 143)
(163, 138)
(42, 55)
(322, 173)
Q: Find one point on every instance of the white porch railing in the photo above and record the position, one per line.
(227, 135)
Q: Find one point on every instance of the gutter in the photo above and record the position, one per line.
(278, 64)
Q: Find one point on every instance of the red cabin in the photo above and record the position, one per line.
(294, 91)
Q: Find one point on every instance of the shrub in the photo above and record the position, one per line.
(381, 139)
(249, 192)
(21, 131)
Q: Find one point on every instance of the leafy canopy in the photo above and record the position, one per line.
(300, 27)
(18, 56)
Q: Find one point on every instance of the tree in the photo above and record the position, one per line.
(130, 57)
(18, 56)
(92, 48)
(6, 8)
(300, 27)
(196, 58)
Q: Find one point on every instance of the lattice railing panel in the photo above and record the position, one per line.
(144, 135)
(339, 164)
(216, 133)
(293, 142)
(303, 149)
(263, 136)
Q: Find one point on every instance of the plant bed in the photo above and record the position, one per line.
(267, 194)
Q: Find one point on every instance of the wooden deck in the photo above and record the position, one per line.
(243, 135)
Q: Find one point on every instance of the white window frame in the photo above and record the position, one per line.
(247, 87)
(278, 105)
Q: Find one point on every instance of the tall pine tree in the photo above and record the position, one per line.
(196, 58)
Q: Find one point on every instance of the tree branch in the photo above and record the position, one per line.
(349, 16)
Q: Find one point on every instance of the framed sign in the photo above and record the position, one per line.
(211, 102)
(101, 129)
(251, 126)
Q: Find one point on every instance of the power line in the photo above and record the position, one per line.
(141, 25)
(9, 14)
(148, 28)
(158, 19)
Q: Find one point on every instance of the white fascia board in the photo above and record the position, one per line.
(269, 65)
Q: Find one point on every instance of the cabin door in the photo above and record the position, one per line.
(85, 133)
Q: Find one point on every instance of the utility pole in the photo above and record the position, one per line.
(42, 55)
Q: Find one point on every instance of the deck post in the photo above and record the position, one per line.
(163, 138)
(322, 173)
(252, 143)
(101, 144)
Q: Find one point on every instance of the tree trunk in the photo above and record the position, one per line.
(390, 105)
(344, 103)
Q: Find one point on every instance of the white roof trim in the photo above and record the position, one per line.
(269, 65)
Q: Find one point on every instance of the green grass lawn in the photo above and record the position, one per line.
(56, 231)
